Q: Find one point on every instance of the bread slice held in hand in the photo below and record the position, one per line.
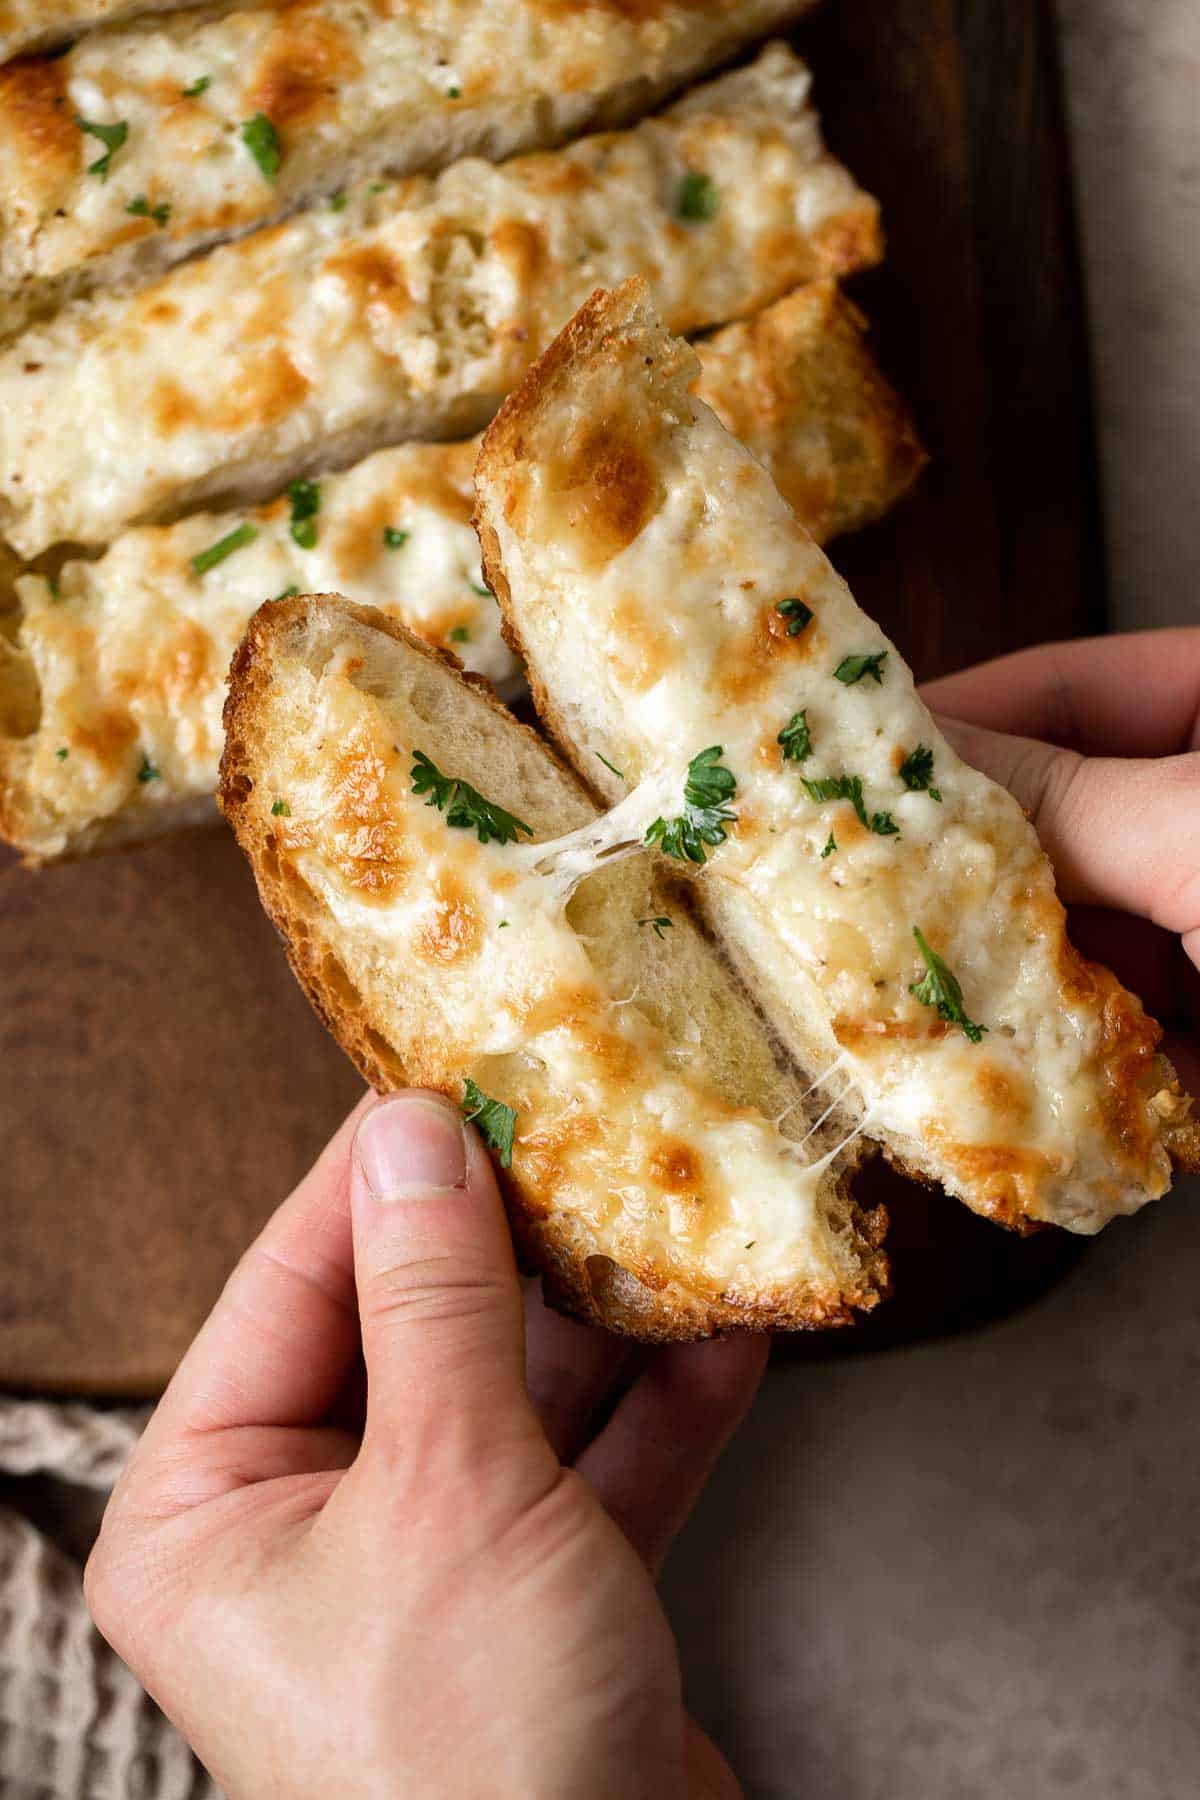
(889, 907)
(462, 919)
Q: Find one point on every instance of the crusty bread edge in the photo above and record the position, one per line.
(612, 1297)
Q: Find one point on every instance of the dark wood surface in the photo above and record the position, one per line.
(164, 1082)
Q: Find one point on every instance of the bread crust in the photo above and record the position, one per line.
(633, 1298)
(1139, 1097)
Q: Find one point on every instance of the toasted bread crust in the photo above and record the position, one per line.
(578, 1277)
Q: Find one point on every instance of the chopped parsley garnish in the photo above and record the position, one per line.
(460, 635)
(262, 141)
(795, 739)
(337, 202)
(147, 772)
(938, 987)
(62, 754)
(503, 925)
(141, 208)
(289, 592)
(55, 585)
(830, 846)
(705, 815)
(394, 538)
(850, 787)
(281, 810)
(796, 614)
(658, 923)
(697, 199)
(454, 93)
(111, 136)
(464, 806)
(237, 539)
(916, 772)
(198, 87)
(619, 773)
(485, 593)
(305, 497)
(495, 1122)
(853, 668)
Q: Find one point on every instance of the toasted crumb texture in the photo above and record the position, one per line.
(350, 88)
(122, 662)
(889, 907)
(656, 1181)
(411, 311)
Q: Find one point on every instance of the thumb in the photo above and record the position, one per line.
(1121, 832)
(438, 1297)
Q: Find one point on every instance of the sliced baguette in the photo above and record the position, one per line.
(657, 1178)
(666, 599)
(350, 90)
(121, 663)
(411, 312)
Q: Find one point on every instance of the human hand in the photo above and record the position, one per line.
(386, 1534)
(1103, 752)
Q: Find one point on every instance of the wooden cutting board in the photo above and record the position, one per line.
(164, 1083)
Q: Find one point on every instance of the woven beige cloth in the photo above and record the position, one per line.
(74, 1723)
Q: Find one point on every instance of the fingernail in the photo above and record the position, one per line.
(412, 1146)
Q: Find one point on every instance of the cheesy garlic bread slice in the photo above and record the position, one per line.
(890, 908)
(218, 125)
(412, 311)
(113, 675)
(449, 902)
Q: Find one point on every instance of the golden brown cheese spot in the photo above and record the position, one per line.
(523, 247)
(865, 1034)
(548, 1154)
(366, 839)
(611, 489)
(1006, 1095)
(180, 668)
(107, 737)
(454, 931)
(269, 386)
(1127, 1055)
(675, 1167)
(371, 276)
(548, 1010)
(38, 122)
(302, 66)
(1006, 1183)
(440, 480)
(749, 658)
(641, 654)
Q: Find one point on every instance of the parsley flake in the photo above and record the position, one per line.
(454, 93)
(697, 200)
(854, 668)
(289, 592)
(305, 497)
(337, 202)
(659, 923)
(464, 806)
(705, 815)
(262, 141)
(148, 771)
(281, 810)
(830, 847)
(460, 635)
(55, 585)
(237, 539)
(495, 1122)
(796, 614)
(62, 754)
(883, 825)
(795, 739)
(619, 773)
(485, 593)
(111, 136)
(939, 988)
(141, 208)
(394, 538)
(916, 772)
(198, 87)
(850, 787)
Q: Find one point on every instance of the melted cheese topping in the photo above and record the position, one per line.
(1049, 1116)
(410, 312)
(476, 944)
(350, 86)
(25, 24)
